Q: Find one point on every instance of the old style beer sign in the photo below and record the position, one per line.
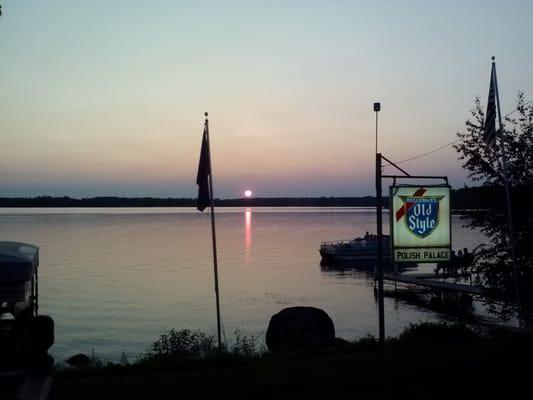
(420, 223)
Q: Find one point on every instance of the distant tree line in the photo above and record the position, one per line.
(462, 199)
(48, 201)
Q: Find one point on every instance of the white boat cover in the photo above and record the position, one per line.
(18, 262)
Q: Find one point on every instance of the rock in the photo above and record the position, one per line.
(79, 361)
(299, 328)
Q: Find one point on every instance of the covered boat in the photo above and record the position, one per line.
(18, 277)
(25, 336)
(359, 249)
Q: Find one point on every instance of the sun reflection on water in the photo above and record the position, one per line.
(247, 234)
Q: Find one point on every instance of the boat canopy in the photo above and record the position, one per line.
(18, 262)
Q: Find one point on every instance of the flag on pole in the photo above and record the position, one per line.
(489, 131)
(204, 180)
(204, 170)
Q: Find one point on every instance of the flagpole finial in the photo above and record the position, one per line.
(493, 58)
(206, 114)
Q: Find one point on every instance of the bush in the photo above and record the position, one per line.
(246, 346)
(182, 344)
(368, 342)
(436, 333)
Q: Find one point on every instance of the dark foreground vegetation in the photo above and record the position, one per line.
(427, 361)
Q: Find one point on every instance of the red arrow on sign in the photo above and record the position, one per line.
(407, 206)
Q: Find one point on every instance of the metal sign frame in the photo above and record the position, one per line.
(379, 226)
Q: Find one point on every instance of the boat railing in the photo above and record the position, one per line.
(362, 242)
(336, 242)
(346, 243)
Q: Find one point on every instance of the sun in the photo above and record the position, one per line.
(248, 193)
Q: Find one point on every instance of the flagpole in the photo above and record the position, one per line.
(508, 200)
(213, 232)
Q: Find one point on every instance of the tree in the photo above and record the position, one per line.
(494, 262)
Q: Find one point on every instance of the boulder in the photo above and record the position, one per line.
(79, 361)
(299, 328)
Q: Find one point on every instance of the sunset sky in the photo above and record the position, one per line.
(107, 97)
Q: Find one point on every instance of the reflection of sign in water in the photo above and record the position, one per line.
(420, 225)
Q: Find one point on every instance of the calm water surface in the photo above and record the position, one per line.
(115, 279)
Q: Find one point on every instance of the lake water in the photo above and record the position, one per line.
(115, 279)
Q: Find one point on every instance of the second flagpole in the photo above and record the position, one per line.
(516, 276)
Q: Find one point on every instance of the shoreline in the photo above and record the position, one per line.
(463, 200)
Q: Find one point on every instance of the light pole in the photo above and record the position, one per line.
(379, 232)
(377, 109)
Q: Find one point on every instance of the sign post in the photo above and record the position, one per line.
(379, 265)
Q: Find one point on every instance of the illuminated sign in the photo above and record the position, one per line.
(420, 223)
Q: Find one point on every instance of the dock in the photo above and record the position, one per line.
(427, 280)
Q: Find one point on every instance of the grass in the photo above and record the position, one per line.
(457, 365)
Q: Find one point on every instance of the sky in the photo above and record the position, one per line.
(106, 98)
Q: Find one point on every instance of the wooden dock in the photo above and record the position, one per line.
(426, 280)
(435, 276)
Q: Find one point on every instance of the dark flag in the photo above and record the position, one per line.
(204, 170)
(489, 136)
(204, 179)
(489, 131)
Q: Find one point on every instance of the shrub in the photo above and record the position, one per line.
(182, 344)
(435, 333)
(368, 342)
(246, 346)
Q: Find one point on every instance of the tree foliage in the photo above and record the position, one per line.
(485, 166)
